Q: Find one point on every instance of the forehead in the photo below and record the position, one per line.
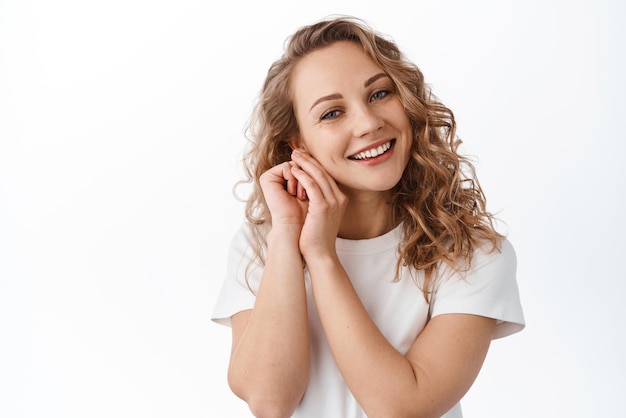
(330, 69)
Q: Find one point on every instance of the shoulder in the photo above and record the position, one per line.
(501, 256)
(488, 287)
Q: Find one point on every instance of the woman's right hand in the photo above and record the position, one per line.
(284, 195)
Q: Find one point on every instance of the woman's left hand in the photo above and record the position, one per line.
(326, 206)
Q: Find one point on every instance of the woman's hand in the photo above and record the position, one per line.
(325, 208)
(284, 195)
(269, 365)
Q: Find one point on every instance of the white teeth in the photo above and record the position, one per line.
(374, 152)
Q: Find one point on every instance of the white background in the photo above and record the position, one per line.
(121, 128)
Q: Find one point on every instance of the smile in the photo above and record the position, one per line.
(372, 153)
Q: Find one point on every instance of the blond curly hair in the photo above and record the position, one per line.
(438, 200)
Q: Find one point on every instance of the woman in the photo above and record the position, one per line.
(368, 279)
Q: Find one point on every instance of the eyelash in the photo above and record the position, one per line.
(385, 91)
(329, 115)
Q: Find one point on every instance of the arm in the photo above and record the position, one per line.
(441, 364)
(434, 374)
(269, 362)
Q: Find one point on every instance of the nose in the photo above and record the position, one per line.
(366, 121)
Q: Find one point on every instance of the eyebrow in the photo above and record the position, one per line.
(335, 96)
(325, 98)
(372, 79)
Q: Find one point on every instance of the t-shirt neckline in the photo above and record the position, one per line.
(388, 240)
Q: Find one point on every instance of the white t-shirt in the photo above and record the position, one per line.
(399, 309)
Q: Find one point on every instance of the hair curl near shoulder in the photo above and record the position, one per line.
(439, 200)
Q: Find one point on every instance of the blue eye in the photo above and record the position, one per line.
(379, 94)
(331, 114)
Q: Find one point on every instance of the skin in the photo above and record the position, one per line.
(344, 105)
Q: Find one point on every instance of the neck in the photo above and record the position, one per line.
(366, 217)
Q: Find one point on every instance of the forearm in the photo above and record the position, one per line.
(270, 362)
(381, 379)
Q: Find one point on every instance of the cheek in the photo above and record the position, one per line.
(327, 159)
(331, 155)
(325, 147)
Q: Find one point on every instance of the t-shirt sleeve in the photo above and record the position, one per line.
(489, 288)
(237, 294)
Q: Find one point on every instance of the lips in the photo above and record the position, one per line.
(373, 152)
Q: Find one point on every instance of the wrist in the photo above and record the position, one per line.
(284, 235)
(322, 263)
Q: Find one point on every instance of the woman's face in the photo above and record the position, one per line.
(350, 118)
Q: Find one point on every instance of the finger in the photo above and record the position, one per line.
(275, 174)
(291, 183)
(314, 169)
(309, 187)
(301, 194)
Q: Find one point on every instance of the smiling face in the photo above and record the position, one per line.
(350, 118)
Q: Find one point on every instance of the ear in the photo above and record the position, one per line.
(296, 143)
